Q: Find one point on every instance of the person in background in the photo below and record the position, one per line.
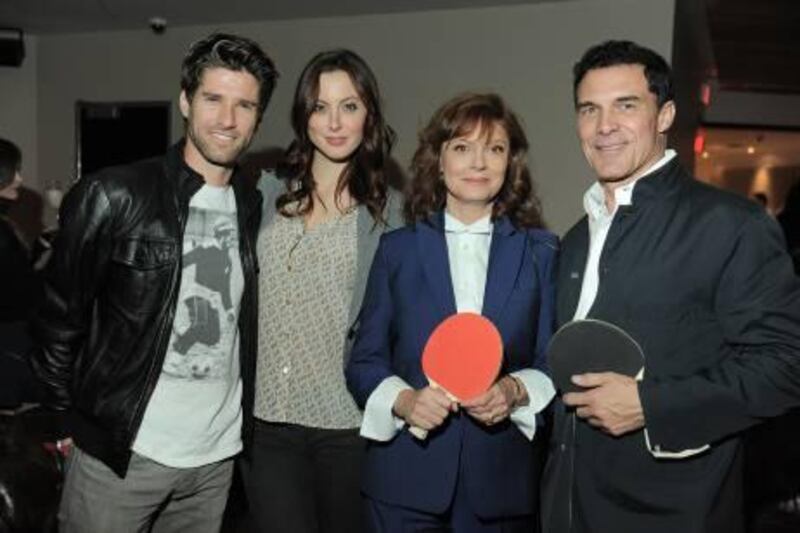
(21, 289)
(149, 355)
(475, 243)
(320, 228)
(789, 219)
(699, 277)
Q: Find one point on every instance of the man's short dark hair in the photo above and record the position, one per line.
(612, 53)
(221, 50)
(10, 160)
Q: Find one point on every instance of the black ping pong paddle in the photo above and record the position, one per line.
(591, 345)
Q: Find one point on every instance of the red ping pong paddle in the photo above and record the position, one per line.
(591, 345)
(462, 357)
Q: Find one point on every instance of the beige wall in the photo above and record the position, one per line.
(18, 90)
(421, 59)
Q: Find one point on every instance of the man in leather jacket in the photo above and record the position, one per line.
(155, 427)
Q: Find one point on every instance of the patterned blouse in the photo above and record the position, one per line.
(305, 290)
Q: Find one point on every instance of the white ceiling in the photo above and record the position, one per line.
(73, 16)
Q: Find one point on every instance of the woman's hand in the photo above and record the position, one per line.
(496, 404)
(425, 408)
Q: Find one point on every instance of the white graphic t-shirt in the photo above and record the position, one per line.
(194, 416)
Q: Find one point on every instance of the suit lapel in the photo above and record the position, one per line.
(505, 259)
(624, 220)
(432, 249)
(572, 266)
(368, 236)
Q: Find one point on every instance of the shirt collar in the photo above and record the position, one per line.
(482, 226)
(594, 201)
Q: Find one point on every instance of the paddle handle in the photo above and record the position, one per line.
(419, 433)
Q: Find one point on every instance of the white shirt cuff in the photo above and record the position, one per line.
(540, 391)
(658, 453)
(379, 422)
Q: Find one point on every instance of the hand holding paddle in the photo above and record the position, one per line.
(495, 404)
(462, 358)
(426, 408)
(595, 364)
(611, 403)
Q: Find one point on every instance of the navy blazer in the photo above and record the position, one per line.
(408, 294)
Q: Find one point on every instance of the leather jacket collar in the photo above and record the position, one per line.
(187, 181)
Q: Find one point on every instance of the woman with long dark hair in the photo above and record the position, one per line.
(474, 243)
(320, 228)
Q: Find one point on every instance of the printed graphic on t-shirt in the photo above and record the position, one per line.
(205, 320)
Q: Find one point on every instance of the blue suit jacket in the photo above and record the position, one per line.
(408, 294)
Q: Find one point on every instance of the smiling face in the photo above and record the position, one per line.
(474, 169)
(220, 118)
(620, 126)
(336, 124)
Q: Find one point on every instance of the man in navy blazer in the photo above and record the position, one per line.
(700, 278)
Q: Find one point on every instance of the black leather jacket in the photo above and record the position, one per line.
(110, 297)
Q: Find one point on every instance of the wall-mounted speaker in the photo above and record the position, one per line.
(12, 47)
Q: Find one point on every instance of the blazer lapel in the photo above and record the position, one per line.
(368, 236)
(505, 259)
(571, 269)
(432, 249)
(624, 221)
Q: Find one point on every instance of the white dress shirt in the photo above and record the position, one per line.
(468, 248)
(600, 219)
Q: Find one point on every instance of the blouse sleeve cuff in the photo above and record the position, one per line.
(540, 391)
(379, 422)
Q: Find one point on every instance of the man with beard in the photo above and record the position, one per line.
(700, 279)
(154, 439)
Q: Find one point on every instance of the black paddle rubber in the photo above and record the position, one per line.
(591, 345)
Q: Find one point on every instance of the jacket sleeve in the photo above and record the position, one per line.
(547, 260)
(77, 269)
(21, 288)
(757, 306)
(535, 380)
(370, 359)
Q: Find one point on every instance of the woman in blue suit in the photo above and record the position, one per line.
(474, 243)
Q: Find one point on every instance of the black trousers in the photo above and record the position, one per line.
(304, 480)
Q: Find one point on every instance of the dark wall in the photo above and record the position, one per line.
(692, 63)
